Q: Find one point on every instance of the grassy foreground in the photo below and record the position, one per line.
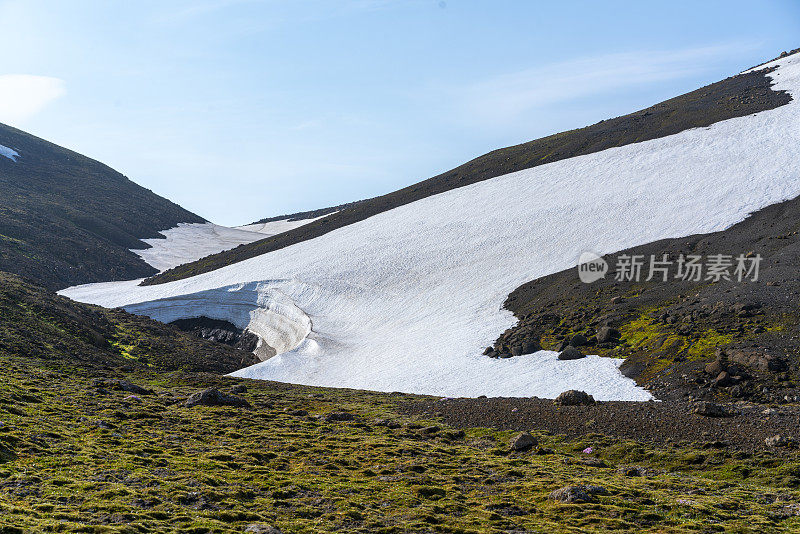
(78, 458)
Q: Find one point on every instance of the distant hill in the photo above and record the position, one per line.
(66, 219)
(732, 97)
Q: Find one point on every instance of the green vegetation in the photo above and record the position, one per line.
(77, 458)
(77, 455)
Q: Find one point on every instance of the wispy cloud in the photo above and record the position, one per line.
(194, 9)
(23, 96)
(500, 99)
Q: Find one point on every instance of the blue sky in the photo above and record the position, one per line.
(241, 109)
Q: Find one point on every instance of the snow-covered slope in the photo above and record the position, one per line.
(8, 153)
(407, 299)
(192, 241)
(188, 242)
(278, 227)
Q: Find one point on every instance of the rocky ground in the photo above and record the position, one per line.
(723, 340)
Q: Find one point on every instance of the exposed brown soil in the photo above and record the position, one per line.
(656, 422)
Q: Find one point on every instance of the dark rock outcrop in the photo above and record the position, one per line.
(570, 353)
(577, 494)
(214, 397)
(573, 397)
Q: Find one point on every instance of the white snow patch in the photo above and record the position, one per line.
(188, 242)
(407, 299)
(278, 227)
(9, 153)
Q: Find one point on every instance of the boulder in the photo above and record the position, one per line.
(760, 360)
(238, 389)
(573, 397)
(570, 353)
(710, 409)
(214, 397)
(575, 494)
(606, 334)
(522, 442)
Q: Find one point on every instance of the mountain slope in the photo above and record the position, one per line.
(66, 219)
(35, 323)
(409, 298)
(736, 96)
(670, 330)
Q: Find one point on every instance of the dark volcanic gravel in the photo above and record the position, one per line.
(655, 422)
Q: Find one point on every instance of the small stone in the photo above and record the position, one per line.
(238, 389)
(529, 347)
(574, 397)
(723, 379)
(570, 353)
(388, 423)
(120, 385)
(261, 529)
(593, 462)
(632, 471)
(523, 441)
(339, 416)
(714, 368)
(776, 441)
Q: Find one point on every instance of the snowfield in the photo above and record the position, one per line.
(407, 300)
(278, 227)
(188, 242)
(8, 153)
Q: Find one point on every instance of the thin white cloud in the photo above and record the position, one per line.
(24, 95)
(500, 99)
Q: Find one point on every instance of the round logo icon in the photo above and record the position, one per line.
(591, 267)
